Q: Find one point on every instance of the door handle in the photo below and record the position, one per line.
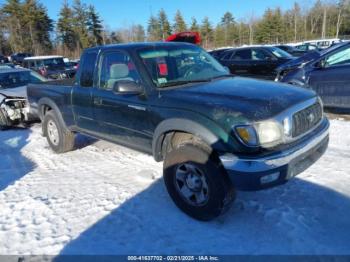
(97, 101)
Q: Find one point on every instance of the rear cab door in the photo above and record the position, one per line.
(82, 92)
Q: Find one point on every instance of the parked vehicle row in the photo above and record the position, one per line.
(52, 67)
(326, 71)
(215, 132)
(259, 62)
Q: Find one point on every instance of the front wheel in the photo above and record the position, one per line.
(197, 183)
(59, 138)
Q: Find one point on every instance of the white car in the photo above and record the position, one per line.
(14, 108)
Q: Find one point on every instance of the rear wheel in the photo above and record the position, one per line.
(59, 138)
(196, 182)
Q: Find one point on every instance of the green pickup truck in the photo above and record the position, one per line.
(215, 132)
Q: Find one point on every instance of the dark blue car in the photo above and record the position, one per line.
(326, 72)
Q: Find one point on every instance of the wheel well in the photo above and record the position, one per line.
(174, 139)
(44, 109)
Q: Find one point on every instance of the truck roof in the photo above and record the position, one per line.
(131, 46)
(43, 57)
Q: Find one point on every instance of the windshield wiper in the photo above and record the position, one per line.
(183, 82)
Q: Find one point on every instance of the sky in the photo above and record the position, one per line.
(121, 13)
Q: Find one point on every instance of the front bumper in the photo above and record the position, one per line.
(259, 173)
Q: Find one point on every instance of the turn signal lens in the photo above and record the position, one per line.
(248, 135)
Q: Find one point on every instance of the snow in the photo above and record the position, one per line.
(106, 199)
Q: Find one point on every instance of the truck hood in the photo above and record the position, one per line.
(237, 99)
(20, 91)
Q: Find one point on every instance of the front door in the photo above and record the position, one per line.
(122, 118)
(264, 64)
(332, 81)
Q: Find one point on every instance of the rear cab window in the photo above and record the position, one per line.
(87, 69)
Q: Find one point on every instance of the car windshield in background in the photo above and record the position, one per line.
(17, 79)
(171, 66)
(280, 53)
(53, 63)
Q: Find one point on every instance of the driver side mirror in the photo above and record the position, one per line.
(321, 64)
(127, 87)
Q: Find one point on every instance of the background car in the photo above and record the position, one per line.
(72, 65)
(307, 47)
(18, 58)
(326, 72)
(3, 59)
(291, 50)
(14, 108)
(258, 62)
(218, 52)
(52, 67)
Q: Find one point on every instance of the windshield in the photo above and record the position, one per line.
(52, 63)
(174, 65)
(17, 79)
(280, 53)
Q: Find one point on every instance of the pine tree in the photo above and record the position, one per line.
(194, 25)
(164, 25)
(65, 29)
(43, 27)
(28, 26)
(179, 23)
(207, 32)
(80, 24)
(12, 15)
(228, 25)
(94, 26)
(153, 29)
(139, 33)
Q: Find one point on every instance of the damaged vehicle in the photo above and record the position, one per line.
(13, 96)
(326, 72)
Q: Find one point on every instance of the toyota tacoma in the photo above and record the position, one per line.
(215, 132)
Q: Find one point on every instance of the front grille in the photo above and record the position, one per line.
(306, 119)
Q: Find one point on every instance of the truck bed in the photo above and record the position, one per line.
(59, 91)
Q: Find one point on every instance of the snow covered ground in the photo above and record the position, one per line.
(106, 199)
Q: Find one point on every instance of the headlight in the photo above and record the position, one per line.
(266, 133)
(269, 132)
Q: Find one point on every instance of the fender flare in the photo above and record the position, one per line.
(48, 102)
(187, 126)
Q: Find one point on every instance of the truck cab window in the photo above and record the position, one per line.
(88, 67)
(114, 67)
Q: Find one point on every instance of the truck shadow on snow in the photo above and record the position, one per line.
(13, 164)
(297, 218)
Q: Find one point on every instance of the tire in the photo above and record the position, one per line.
(216, 192)
(60, 139)
(4, 121)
